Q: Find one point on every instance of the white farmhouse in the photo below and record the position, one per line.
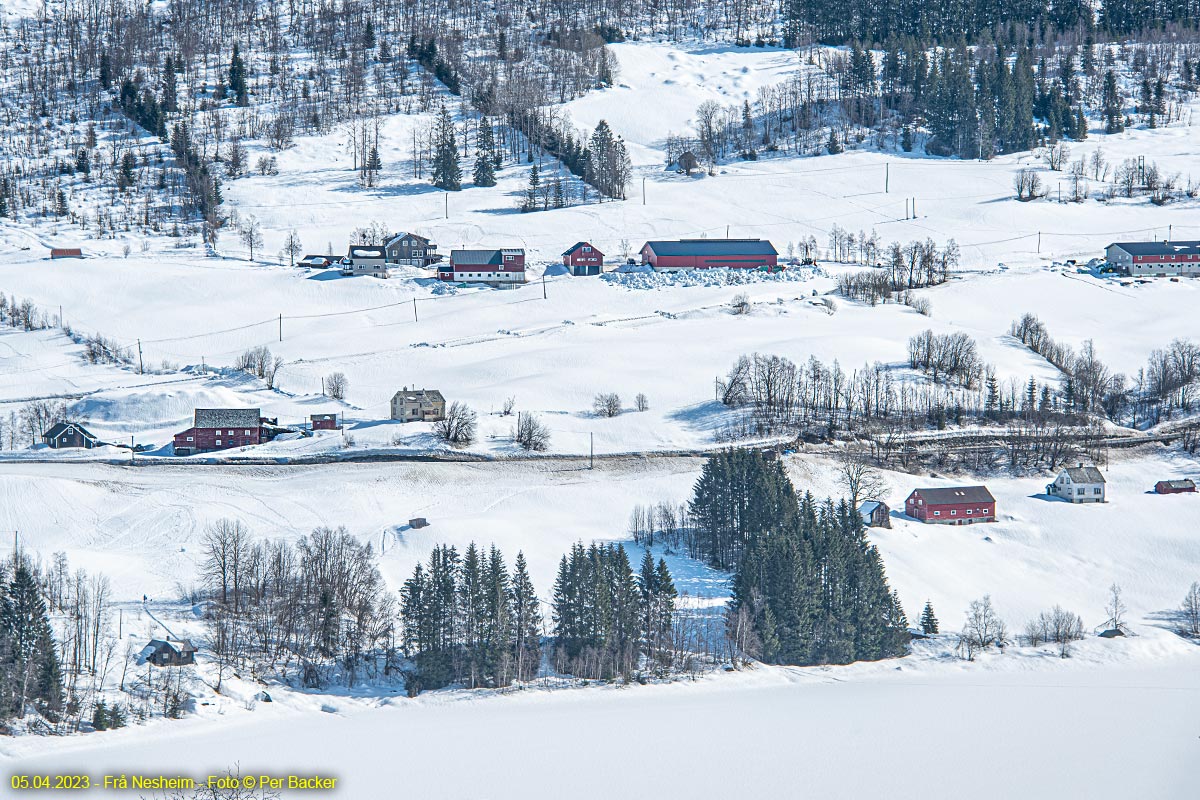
(1078, 485)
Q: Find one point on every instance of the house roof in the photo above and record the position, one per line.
(324, 416)
(227, 418)
(314, 258)
(1158, 248)
(1182, 483)
(59, 428)
(402, 234)
(419, 396)
(1082, 474)
(480, 257)
(66, 252)
(949, 495)
(712, 247)
(367, 251)
(868, 508)
(578, 245)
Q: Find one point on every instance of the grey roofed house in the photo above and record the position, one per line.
(227, 418)
(418, 405)
(956, 494)
(69, 434)
(481, 257)
(168, 652)
(1082, 474)
(1159, 248)
(713, 247)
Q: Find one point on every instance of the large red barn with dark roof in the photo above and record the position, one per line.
(710, 253)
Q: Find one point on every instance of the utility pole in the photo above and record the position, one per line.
(141, 369)
(591, 450)
(914, 208)
(415, 310)
(643, 191)
(726, 231)
(132, 452)
(120, 622)
(447, 205)
(906, 208)
(60, 318)
(544, 297)
(281, 327)
(887, 177)
(1170, 230)
(1039, 241)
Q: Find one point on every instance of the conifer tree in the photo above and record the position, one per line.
(530, 200)
(170, 100)
(929, 621)
(237, 78)
(30, 675)
(447, 174)
(485, 157)
(527, 623)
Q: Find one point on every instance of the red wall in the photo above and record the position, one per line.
(709, 262)
(206, 438)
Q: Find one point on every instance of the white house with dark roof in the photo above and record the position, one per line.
(1159, 259)
(1078, 484)
(418, 405)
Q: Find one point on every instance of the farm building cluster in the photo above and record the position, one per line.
(967, 505)
(505, 266)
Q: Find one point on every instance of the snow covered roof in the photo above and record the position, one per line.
(227, 418)
(1183, 483)
(426, 396)
(1082, 474)
(950, 495)
(713, 247)
(1158, 248)
(367, 251)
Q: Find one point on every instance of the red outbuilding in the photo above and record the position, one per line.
(954, 505)
(1175, 487)
(221, 429)
(710, 253)
(66, 252)
(324, 422)
(583, 259)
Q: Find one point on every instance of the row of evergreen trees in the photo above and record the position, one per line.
(606, 618)
(30, 674)
(808, 588)
(469, 620)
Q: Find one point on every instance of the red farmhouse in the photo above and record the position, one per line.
(324, 422)
(954, 505)
(583, 259)
(709, 253)
(1175, 487)
(221, 429)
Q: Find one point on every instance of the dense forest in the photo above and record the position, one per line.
(123, 116)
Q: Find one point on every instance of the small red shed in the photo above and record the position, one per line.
(953, 505)
(66, 252)
(1175, 487)
(324, 422)
(583, 259)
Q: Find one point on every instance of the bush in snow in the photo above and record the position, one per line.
(740, 304)
(531, 434)
(1058, 626)
(641, 402)
(607, 404)
(1191, 611)
(336, 385)
(458, 427)
(982, 629)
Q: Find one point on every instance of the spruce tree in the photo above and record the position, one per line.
(447, 174)
(530, 201)
(237, 78)
(28, 656)
(929, 621)
(527, 623)
(170, 101)
(484, 173)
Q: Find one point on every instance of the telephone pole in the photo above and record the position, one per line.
(591, 450)
(544, 297)
(415, 310)
(281, 327)
(141, 369)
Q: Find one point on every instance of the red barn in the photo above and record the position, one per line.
(66, 252)
(583, 259)
(220, 429)
(1175, 487)
(324, 422)
(710, 253)
(953, 505)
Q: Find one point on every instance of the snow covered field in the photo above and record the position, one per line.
(1117, 720)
